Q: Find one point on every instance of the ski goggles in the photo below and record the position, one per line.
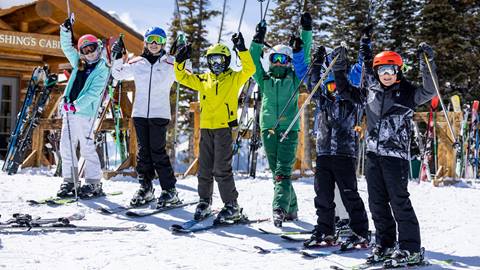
(88, 49)
(387, 70)
(155, 38)
(216, 59)
(331, 86)
(279, 58)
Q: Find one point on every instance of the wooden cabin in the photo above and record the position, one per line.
(29, 37)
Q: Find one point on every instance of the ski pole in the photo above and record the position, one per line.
(307, 101)
(73, 167)
(241, 17)
(221, 22)
(435, 84)
(272, 130)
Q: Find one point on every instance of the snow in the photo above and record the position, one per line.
(449, 220)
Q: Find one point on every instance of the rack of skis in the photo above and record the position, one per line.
(111, 145)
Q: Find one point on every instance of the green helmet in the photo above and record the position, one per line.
(219, 49)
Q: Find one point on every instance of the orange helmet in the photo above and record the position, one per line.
(387, 58)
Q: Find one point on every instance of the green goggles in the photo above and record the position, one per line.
(279, 58)
(157, 39)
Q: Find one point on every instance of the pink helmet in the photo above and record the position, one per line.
(86, 40)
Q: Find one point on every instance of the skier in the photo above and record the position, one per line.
(336, 158)
(390, 104)
(218, 90)
(81, 96)
(276, 87)
(153, 75)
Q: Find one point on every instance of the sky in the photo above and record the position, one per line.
(141, 14)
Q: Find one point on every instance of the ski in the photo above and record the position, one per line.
(54, 201)
(70, 228)
(153, 211)
(215, 225)
(265, 231)
(190, 223)
(118, 209)
(255, 140)
(26, 220)
(470, 151)
(243, 125)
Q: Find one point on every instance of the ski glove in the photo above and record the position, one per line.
(365, 50)
(69, 107)
(179, 42)
(117, 49)
(238, 42)
(342, 60)
(296, 43)
(183, 53)
(367, 32)
(319, 56)
(67, 25)
(261, 30)
(306, 21)
(427, 49)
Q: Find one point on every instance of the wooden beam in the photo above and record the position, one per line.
(23, 26)
(21, 57)
(7, 11)
(48, 29)
(26, 14)
(5, 26)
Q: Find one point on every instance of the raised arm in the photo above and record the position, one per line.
(256, 49)
(66, 43)
(427, 92)
(340, 69)
(182, 75)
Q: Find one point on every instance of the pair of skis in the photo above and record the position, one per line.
(55, 201)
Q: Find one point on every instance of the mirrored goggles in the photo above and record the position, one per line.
(155, 38)
(331, 86)
(279, 58)
(387, 69)
(216, 59)
(89, 49)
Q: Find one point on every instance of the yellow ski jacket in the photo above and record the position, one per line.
(218, 94)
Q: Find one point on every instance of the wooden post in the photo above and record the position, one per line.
(304, 161)
(193, 167)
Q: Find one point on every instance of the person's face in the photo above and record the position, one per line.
(387, 74)
(154, 48)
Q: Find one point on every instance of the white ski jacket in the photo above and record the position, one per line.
(152, 84)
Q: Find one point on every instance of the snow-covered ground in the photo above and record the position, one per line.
(449, 219)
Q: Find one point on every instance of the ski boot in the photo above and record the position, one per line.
(230, 213)
(279, 216)
(291, 216)
(168, 197)
(91, 190)
(355, 241)
(319, 239)
(402, 258)
(203, 209)
(342, 227)
(379, 254)
(67, 189)
(144, 194)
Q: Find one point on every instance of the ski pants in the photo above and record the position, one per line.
(152, 156)
(339, 170)
(215, 161)
(281, 157)
(387, 179)
(79, 129)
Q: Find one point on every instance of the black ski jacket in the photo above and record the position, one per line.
(335, 119)
(389, 110)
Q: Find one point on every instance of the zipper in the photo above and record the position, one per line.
(149, 90)
(380, 122)
(228, 110)
(216, 88)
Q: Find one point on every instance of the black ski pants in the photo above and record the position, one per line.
(387, 179)
(215, 160)
(152, 155)
(340, 170)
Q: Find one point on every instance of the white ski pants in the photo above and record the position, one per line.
(79, 127)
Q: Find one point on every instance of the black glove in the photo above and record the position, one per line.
(183, 53)
(427, 49)
(319, 56)
(296, 43)
(260, 32)
(365, 50)
(173, 49)
(367, 31)
(306, 21)
(179, 42)
(342, 60)
(238, 42)
(118, 49)
(67, 24)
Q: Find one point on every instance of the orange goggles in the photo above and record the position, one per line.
(331, 86)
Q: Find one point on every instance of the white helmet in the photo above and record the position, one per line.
(283, 50)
